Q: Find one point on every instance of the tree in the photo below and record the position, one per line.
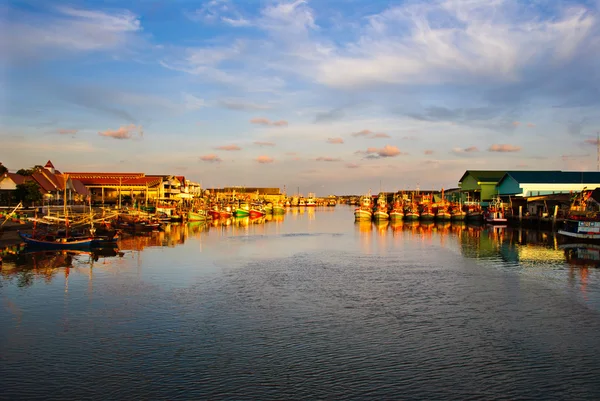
(25, 171)
(29, 171)
(3, 169)
(28, 192)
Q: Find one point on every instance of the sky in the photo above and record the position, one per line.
(332, 97)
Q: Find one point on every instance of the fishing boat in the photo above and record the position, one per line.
(269, 208)
(59, 242)
(442, 213)
(311, 201)
(364, 211)
(426, 213)
(302, 202)
(411, 212)
(242, 210)
(256, 211)
(198, 215)
(581, 230)
(381, 208)
(278, 208)
(397, 212)
(331, 201)
(457, 213)
(214, 212)
(582, 223)
(495, 213)
(225, 212)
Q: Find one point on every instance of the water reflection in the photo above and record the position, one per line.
(517, 246)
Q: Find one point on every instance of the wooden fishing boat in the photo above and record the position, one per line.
(495, 213)
(198, 215)
(242, 210)
(381, 208)
(61, 242)
(581, 230)
(582, 223)
(427, 213)
(364, 211)
(256, 211)
(311, 201)
(411, 212)
(278, 208)
(443, 214)
(457, 214)
(225, 212)
(268, 208)
(214, 212)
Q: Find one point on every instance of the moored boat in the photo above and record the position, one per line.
(443, 214)
(581, 230)
(381, 208)
(311, 201)
(225, 212)
(364, 211)
(426, 213)
(198, 215)
(582, 223)
(278, 208)
(56, 242)
(411, 212)
(495, 213)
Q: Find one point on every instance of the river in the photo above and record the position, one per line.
(309, 305)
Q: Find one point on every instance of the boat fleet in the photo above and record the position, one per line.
(425, 210)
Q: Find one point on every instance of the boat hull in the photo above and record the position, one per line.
(215, 214)
(443, 216)
(254, 213)
(458, 216)
(410, 216)
(427, 216)
(61, 243)
(380, 215)
(241, 213)
(396, 215)
(198, 216)
(362, 215)
(278, 210)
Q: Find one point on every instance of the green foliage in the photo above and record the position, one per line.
(126, 200)
(25, 171)
(3, 169)
(28, 192)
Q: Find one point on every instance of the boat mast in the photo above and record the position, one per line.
(65, 208)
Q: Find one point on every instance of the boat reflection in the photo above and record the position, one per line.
(527, 248)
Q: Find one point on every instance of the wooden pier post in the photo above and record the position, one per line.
(554, 216)
(520, 215)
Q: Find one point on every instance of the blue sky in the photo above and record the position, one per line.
(329, 96)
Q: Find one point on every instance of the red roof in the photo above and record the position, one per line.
(105, 175)
(49, 164)
(80, 188)
(43, 182)
(142, 181)
(16, 178)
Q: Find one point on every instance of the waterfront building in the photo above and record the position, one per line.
(8, 185)
(536, 183)
(480, 185)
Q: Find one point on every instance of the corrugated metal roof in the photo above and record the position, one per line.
(555, 177)
(484, 175)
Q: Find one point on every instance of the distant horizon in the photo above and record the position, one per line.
(334, 97)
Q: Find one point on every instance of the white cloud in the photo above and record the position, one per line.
(67, 30)
(450, 41)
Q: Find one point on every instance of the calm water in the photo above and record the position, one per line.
(307, 306)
